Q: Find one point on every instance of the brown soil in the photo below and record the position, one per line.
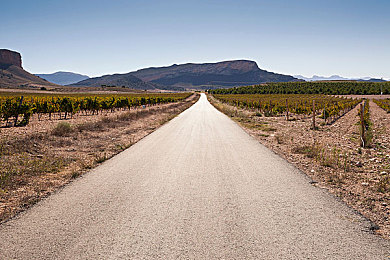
(332, 156)
(38, 159)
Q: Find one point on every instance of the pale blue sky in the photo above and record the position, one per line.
(95, 37)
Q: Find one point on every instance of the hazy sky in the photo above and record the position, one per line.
(349, 38)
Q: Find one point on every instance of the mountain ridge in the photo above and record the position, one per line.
(195, 75)
(224, 73)
(63, 77)
(125, 80)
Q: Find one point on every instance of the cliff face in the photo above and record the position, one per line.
(10, 58)
(12, 75)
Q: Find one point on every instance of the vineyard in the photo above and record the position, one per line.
(326, 88)
(328, 107)
(17, 110)
(383, 103)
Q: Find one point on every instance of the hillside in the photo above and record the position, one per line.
(12, 73)
(63, 77)
(126, 80)
(222, 74)
(190, 75)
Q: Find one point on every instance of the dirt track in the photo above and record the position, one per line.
(197, 188)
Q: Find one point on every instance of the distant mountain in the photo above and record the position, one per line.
(337, 77)
(126, 80)
(372, 80)
(12, 73)
(190, 75)
(63, 77)
(221, 74)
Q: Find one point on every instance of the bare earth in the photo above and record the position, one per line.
(197, 188)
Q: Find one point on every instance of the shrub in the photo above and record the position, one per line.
(62, 129)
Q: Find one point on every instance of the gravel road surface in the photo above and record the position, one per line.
(197, 188)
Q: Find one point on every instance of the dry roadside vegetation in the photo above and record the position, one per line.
(38, 159)
(331, 155)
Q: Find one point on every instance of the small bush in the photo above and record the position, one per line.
(280, 139)
(310, 151)
(75, 174)
(101, 158)
(384, 184)
(62, 129)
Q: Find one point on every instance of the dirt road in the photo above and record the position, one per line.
(197, 188)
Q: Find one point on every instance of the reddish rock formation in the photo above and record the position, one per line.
(10, 57)
(12, 75)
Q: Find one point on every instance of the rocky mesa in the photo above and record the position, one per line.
(8, 57)
(13, 75)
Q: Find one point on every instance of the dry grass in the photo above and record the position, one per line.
(62, 129)
(17, 169)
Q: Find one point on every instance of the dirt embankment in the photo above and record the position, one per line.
(38, 159)
(332, 156)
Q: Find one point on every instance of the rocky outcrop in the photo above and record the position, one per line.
(12, 75)
(8, 57)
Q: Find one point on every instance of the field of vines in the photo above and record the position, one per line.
(326, 88)
(16, 110)
(383, 103)
(328, 107)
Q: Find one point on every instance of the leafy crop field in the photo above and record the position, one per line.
(327, 88)
(16, 109)
(329, 107)
(383, 103)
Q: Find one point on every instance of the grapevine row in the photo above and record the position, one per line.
(330, 107)
(383, 103)
(12, 108)
(327, 88)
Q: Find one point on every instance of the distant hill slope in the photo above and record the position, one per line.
(63, 77)
(14, 76)
(224, 74)
(126, 80)
(12, 73)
